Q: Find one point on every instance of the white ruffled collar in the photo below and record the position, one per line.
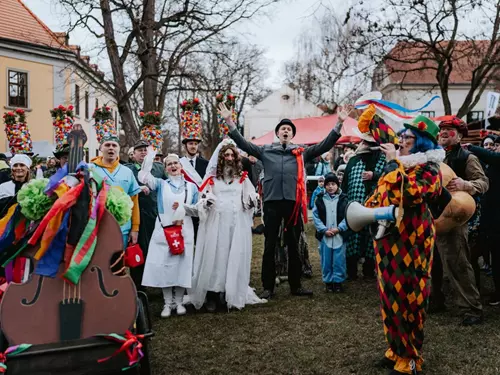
(431, 156)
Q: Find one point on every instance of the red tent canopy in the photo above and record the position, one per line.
(311, 130)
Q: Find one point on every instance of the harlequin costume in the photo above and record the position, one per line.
(116, 174)
(359, 244)
(404, 257)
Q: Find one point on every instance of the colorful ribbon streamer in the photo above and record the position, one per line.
(393, 108)
(86, 246)
(11, 352)
(131, 345)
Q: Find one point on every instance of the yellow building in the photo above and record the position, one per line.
(39, 70)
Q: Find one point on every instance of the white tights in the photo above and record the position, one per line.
(173, 295)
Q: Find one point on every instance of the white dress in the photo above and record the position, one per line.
(162, 269)
(224, 245)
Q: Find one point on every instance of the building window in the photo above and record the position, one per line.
(475, 116)
(96, 103)
(87, 105)
(77, 100)
(428, 113)
(18, 89)
(116, 119)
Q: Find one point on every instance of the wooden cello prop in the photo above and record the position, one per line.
(460, 209)
(46, 309)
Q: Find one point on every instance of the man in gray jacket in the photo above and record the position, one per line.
(279, 190)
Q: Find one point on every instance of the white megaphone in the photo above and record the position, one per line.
(358, 216)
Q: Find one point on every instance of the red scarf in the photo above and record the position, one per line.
(300, 190)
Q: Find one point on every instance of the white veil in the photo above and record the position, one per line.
(212, 164)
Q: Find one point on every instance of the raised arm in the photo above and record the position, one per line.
(327, 143)
(486, 156)
(241, 142)
(144, 176)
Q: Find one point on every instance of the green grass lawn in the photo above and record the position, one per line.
(326, 334)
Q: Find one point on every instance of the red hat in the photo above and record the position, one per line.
(455, 122)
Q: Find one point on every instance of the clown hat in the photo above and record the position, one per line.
(18, 134)
(191, 120)
(230, 101)
(374, 129)
(104, 126)
(424, 126)
(151, 129)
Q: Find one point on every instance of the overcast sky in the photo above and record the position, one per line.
(276, 32)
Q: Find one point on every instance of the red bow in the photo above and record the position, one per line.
(244, 175)
(131, 345)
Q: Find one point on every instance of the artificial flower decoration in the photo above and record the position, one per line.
(151, 130)
(422, 126)
(18, 134)
(104, 125)
(230, 101)
(62, 120)
(119, 204)
(33, 200)
(191, 120)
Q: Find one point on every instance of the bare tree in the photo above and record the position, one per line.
(234, 68)
(158, 35)
(453, 40)
(324, 68)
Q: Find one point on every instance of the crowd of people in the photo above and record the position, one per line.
(192, 217)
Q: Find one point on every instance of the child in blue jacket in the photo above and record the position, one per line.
(331, 227)
(319, 189)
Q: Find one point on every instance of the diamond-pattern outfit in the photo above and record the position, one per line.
(404, 258)
(359, 244)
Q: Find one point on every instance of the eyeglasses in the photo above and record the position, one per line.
(404, 138)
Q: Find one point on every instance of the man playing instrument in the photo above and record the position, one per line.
(453, 255)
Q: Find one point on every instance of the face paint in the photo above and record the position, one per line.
(452, 133)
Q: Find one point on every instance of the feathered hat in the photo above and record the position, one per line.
(230, 101)
(104, 126)
(151, 129)
(191, 120)
(374, 129)
(62, 120)
(18, 134)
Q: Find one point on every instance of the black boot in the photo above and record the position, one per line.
(302, 292)
(385, 363)
(328, 287)
(338, 288)
(211, 304)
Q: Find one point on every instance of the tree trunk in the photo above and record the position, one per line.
(131, 131)
(149, 57)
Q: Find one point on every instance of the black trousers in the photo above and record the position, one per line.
(492, 243)
(145, 233)
(274, 212)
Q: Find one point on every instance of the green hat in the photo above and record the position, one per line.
(61, 150)
(109, 138)
(424, 126)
